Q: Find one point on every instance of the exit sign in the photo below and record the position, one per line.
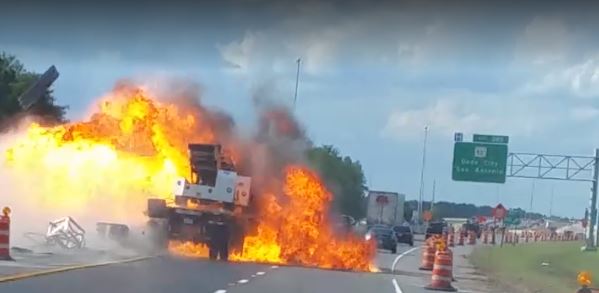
(479, 162)
(490, 138)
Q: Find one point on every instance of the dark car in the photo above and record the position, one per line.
(385, 237)
(468, 227)
(435, 228)
(404, 235)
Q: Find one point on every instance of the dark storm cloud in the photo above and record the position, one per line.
(140, 24)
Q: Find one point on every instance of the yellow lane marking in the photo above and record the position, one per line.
(21, 276)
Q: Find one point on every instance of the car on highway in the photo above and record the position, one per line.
(404, 234)
(472, 227)
(435, 228)
(384, 236)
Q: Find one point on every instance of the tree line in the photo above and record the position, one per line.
(445, 209)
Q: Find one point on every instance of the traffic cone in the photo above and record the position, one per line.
(5, 235)
(442, 272)
(428, 257)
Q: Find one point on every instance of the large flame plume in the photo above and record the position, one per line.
(298, 232)
(135, 146)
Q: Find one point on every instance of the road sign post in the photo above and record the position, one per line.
(591, 239)
(479, 162)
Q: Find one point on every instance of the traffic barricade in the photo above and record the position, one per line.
(442, 272)
(5, 234)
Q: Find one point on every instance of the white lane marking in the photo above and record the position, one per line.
(252, 276)
(394, 281)
(242, 281)
(468, 291)
(274, 267)
(400, 256)
(397, 289)
(260, 273)
(220, 291)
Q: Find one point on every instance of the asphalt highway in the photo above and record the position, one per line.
(169, 274)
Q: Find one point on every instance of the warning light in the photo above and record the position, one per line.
(6, 211)
(584, 278)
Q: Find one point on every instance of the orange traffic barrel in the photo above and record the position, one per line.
(442, 272)
(450, 239)
(428, 257)
(5, 235)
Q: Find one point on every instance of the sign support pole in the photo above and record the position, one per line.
(591, 240)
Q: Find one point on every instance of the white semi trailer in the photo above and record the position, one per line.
(385, 208)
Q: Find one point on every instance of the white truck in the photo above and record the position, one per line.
(213, 208)
(385, 207)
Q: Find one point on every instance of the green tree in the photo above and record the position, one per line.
(14, 81)
(344, 177)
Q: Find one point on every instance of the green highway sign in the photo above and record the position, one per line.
(479, 162)
(490, 138)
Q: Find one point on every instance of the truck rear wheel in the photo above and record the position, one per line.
(218, 245)
(223, 242)
(157, 233)
(212, 251)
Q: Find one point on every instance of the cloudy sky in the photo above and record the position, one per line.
(374, 73)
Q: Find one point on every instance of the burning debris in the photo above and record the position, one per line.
(135, 147)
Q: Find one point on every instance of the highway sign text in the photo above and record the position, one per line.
(479, 162)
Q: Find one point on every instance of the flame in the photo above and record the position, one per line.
(134, 147)
(299, 232)
(131, 148)
(188, 249)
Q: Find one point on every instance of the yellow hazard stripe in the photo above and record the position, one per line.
(21, 276)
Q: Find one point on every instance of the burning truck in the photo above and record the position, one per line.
(211, 209)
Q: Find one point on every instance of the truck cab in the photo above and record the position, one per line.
(210, 208)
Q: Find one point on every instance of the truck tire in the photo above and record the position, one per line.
(212, 251)
(218, 246)
(157, 208)
(224, 251)
(158, 234)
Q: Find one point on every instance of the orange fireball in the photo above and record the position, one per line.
(134, 147)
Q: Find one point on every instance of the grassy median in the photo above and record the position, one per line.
(548, 267)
